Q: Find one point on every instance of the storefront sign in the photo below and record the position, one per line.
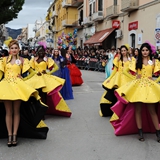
(133, 26)
(116, 24)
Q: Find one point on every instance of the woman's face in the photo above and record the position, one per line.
(145, 52)
(14, 49)
(41, 54)
(56, 52)
(124, 51)
(136, 52)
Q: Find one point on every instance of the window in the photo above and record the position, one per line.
(133, 38)
(100, 5)
(94, 5)
(90, 10)
(115, 2)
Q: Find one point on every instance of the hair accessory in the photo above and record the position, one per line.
(127, 46)
(42, 43)
(153, 48)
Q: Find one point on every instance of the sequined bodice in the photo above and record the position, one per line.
(12, 70)
(146, 71)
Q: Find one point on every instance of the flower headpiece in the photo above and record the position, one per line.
(43, 43)
(153, 48)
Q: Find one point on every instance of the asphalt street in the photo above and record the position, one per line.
(84, 136)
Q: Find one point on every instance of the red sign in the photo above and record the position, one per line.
(133, 26)
(116, 24)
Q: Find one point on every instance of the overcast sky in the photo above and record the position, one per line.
(32, 10)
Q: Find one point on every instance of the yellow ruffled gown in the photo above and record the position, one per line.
(116, 80)
(144, 90)
(47, 82)
(51, 85)
(15, 88)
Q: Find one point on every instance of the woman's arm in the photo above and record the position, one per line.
(31, 74)
(54, 69)
(126, 72)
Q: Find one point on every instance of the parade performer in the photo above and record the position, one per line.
(109, 64)
(21, 119)
(63, 72)
(138, 108)
(75, 73)
(116, 80)
(48, 85)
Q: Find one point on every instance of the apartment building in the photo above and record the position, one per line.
(115, 22)
(64, 18)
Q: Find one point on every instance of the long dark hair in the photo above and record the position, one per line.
(121, 58)
(140, 58)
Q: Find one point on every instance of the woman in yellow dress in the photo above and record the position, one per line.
(138, 107)
(14, 91)
(47, 84)
(116, 80)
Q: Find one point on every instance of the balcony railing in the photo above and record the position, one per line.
(68, 22)
(77, 3)
(98, 16)
(87, 21)
(112, 11)
(66, 3)
(54, 13)
(129, 5)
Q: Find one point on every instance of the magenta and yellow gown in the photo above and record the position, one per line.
(144, 90)
(13, 87)
(51, 85)
(116, 80)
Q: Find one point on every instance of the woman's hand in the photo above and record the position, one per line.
(39, 74)
(138, 76)
(44, 72)
(150, 78)
(19, 76)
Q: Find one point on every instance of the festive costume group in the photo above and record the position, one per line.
(13, 87)
(139, 97)
(142, 90)
(116, 80)
(49, 86)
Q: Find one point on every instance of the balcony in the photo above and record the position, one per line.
(77, 3)
(54, 14)
(87, 21)
(112, 11)
(67, 23)
(66, 3)
(77, 25)
(129, 5)
(98, 16)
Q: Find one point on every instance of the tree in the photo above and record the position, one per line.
(9, 10)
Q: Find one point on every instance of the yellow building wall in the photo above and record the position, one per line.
(70, 15)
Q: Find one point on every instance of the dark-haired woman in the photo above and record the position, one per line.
(63, 72)
(48, 85)
(116, 80)
(138, 107)
(75, 73)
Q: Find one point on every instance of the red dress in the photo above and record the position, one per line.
(75, 73)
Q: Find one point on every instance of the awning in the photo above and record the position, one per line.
(99, 37)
